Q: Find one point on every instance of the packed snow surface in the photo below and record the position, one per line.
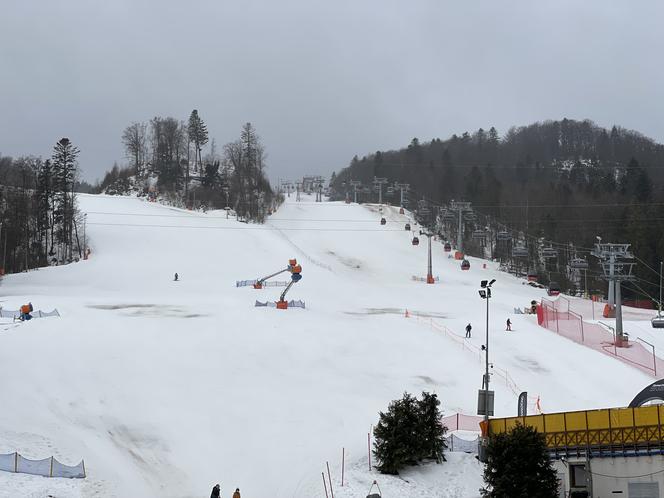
(166, 388)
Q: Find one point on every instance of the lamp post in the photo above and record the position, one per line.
(485, 397)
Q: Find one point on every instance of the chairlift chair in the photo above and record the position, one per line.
(578, 263)
(549, 252)
(520, 252)
(447, 247)
(407, 227)
(504, 235)
(479, 234)
(465, 265)
(553, 289)
(449, 216)
(416, 241)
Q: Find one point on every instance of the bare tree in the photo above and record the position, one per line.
(134, 139)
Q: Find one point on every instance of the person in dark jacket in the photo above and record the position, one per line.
(509, 324)
(176, 277)
(216, 491)
(468, 329)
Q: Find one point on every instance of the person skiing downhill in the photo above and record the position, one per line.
(237, 493)
(215, 491)
(509, 324)
(176, 277)
(468, 329)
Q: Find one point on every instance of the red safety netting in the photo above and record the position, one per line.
(557, 317)
(461, 422)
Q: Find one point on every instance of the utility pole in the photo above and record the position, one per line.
(485, 397)
(85, 245)
(615, 270)
(379, 182)
(460, 207)
(355, 184)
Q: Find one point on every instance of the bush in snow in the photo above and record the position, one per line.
(518, 465)
(409, 432)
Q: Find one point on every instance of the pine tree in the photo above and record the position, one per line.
(64, 176)
(409, 432)
(198, 135)
(44, 204)
(518, 466)
(431, 430)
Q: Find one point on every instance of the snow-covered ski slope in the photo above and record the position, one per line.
(165, 388)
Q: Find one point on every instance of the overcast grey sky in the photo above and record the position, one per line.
(321, 80)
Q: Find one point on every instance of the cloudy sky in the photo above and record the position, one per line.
(321, 80)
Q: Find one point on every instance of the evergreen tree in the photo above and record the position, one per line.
(409, 432)
(518, 466)
(431, 430)
(64, 175)
(198, 135)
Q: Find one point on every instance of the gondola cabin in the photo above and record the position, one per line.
(401, 211)
(416, 241)
(383, 221)
(532, 277)
(407, 227)
(447, 247)
(553, 289)
(465, 265)
(657, 322)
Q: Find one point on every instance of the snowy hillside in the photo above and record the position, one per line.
(165, 388)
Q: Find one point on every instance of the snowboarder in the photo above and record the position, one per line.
(509, 325)
(237, 493)
(216, 491)
(468, 329)
(176, 277)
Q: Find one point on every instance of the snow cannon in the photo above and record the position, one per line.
(458, 255)
(296, 275)
(262, 282)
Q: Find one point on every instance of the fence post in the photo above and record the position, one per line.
(16, 461)
(322, 474)
(343, 461)
(329, 478)
(369, 448)
(51, 473)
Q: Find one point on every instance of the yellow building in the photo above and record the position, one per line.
(615, 452)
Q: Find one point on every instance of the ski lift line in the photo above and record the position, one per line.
(646, 265)
(644, 293)
(249, 228)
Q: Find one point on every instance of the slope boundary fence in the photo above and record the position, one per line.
(557, 317)
(46, 467)
(35, 314)
(507, 380)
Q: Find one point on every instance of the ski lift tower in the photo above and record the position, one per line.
(355, 184)
(378, 183)
(403, 187)
(460, 207)
(615, 270)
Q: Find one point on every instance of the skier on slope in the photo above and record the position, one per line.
(237, 493)
(216, 491)
(176, 277)
(468, 329)
(509, 324)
